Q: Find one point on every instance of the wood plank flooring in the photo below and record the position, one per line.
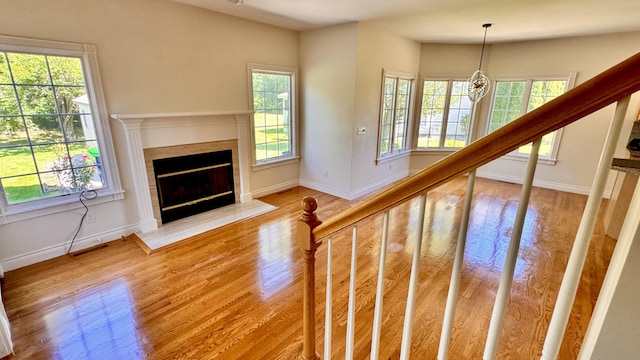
(235, 292)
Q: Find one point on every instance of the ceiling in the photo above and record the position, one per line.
(446, 21)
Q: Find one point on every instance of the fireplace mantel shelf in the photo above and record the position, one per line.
(125, 117)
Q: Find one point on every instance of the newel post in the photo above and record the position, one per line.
(306, 223)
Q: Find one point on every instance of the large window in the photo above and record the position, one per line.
(274, 118)
(514, 98)
(394, 114)
(445, 115)
(51, 136)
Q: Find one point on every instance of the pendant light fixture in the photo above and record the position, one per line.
(479, 82)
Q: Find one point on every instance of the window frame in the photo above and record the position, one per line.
(293, 156)
(407, 138)
(113, 188)
(470, 128)
(570, 78)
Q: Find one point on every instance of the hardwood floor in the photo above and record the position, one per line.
(235, 292)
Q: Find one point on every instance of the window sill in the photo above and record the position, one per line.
(275, 163)
(394, 156)
(59, 205)
(551, 161)
(437, 151)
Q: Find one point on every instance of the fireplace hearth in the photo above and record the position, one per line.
(191, 184)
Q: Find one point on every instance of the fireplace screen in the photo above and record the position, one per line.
(188, 185)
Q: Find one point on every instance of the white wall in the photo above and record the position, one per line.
(341, 70)
(582, 141)
(328, 72)
(154, 57)
(378, 49)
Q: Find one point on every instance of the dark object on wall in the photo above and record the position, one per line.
(634, 139)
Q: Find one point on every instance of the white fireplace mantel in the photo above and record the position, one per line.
(143, 131)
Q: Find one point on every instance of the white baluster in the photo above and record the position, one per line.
(377, 315)
(456, 272)
(504, 290)
(571, 279)
(328, 307)
(405, 349)
(351, 317)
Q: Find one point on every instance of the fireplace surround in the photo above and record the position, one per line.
(152, 136)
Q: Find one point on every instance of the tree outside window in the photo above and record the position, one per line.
(445, 115)
(273, 103)
(46, 128)
(394, 114)
(513, 99)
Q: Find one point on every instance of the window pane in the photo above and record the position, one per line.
(544, 91)
(391, 87)
(28, 69)
(16, 161)
(459, 116)
(508, 99)
(432, 112)
(66, 70)
(272, 105)
(402, 113)
(48, 143)
(36, 99)
(8, 101)
(22, 188)
(12, 128)
(507, 103)
(5, 78)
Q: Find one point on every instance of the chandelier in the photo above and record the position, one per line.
(478, 83)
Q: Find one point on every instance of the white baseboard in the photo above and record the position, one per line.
(324, 188)
(378, 185)
(582, 190)
(51, 252)
(354, 194)
(274, 189)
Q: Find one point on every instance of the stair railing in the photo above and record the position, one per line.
(613, 85)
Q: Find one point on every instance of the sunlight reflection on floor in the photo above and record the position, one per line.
(98, 324)
(275, 257)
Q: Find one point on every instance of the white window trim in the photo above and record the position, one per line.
(450, 79)
(408, 141)
(293, 121)
(113, 189)
(552, 159)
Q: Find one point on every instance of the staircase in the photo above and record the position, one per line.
(615, 85)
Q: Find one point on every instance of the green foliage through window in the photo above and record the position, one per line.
(48, 144)
(513, 99)
(445, 115)
(394, 114)
(272, 103)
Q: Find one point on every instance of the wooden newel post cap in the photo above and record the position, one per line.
(307, 222)
(309, 204)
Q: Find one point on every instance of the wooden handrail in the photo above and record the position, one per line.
(613, 84)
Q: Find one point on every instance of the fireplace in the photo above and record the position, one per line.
(191, 184)
(155, 136)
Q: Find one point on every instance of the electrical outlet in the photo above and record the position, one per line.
(90, 217)
(362, 130)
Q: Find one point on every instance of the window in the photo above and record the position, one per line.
(273, 99)
(52, 140)
(445, 115)
(513, 99)
(394, 114)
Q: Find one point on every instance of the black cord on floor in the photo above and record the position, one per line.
(83, 195)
